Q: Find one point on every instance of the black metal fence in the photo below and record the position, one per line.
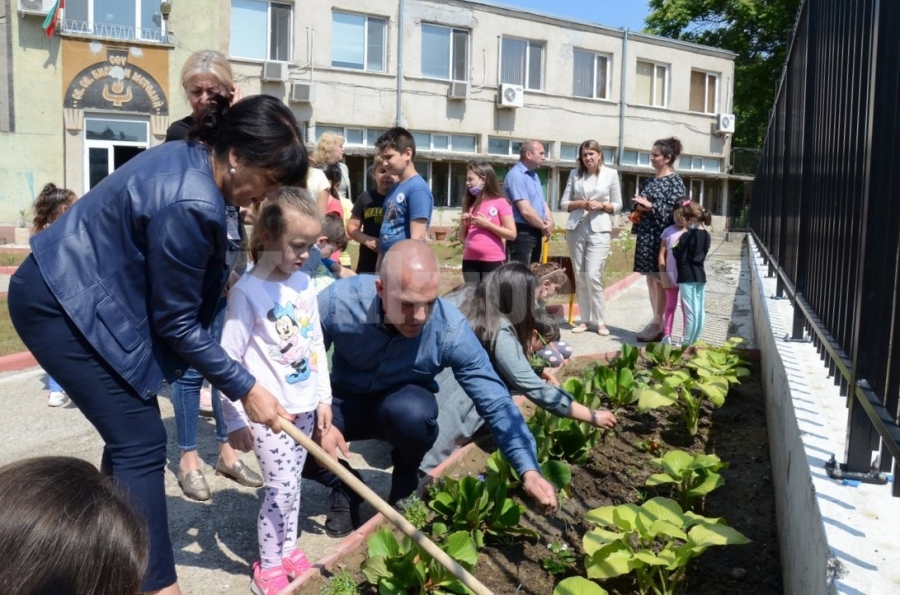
(825, 208)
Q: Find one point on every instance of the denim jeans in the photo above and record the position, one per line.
(133, 433)
(186, 396)
(53, 385)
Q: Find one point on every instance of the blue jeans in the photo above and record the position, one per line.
(186, 396)
(133, 433)
(53, 385)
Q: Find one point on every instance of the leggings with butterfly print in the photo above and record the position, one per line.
(281, 460)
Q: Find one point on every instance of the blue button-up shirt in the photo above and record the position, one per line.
(369, 358)
(523, 184)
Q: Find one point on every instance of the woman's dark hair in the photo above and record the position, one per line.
(506, 293)
(65, 528)
(334, 176)
(545, 324)
(591, 145)
(670, 148)
(491, 189)
(261, 130)
(271, 222)
(50, 204)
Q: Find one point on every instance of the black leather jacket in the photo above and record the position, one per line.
(138, 264)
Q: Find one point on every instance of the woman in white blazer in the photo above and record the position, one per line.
(591, 197)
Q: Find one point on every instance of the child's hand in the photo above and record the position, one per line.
(241, 439)
(549, 375)
(323, 418)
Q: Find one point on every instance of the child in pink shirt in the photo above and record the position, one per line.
(485, 222)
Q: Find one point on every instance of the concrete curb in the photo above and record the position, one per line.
(17, 361)
(608, 294)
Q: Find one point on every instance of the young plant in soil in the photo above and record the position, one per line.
(479, 506)
(400, 568)
(677, 388)
(560, 560)
(577, 585)
(655, 541)
(689, 476)
(341, 583)
(725, 362)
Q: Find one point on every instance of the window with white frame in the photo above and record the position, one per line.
(117, 19)
(696, 163)
(591, 76)
(436, 141)
(704, 92)
(358, 41)
(630, 157)
(261, 30)
(569, 152)
(522, 63)
(445, 52)
(361, 137)
(652, 84)
(506, 146)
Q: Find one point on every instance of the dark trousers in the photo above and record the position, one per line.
(526, 248)
(406, 418)
(475, 270)
(131, 427)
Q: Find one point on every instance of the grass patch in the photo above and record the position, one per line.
(9, 338)
(13, 258)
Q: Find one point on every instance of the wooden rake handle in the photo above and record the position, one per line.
(384, 508)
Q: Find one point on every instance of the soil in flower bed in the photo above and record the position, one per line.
(615, 474)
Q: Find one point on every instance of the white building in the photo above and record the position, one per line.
(470, 79)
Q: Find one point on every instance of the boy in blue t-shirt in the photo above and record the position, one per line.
(408, 205)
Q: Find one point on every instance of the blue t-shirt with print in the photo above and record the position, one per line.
(406, 201)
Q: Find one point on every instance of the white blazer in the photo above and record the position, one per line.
(606, 190)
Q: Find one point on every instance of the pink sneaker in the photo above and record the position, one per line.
(269, 581)
(296, 564)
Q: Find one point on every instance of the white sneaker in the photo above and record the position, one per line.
(57, 399)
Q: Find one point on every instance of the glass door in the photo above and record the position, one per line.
(109, 143)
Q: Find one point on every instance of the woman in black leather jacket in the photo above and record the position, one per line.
(115, 300)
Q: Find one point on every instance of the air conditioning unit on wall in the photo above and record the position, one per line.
(276, 72)
(41, 7)
(458, 90)
(510, 96)
(302, 93)
(724, 124)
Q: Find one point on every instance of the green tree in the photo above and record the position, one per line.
(758, 31)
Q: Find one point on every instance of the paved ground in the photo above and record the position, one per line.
(215, 542)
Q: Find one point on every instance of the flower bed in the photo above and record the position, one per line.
(615, 472)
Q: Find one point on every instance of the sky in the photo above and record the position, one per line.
(612, 13)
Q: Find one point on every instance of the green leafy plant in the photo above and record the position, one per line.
(477, 506)
(560, 560)
(341, 583)
(577, 585)
(399, 567)
(561, 438)
(655, 541)
(689, 476)
(663, 355)
(414, 510)
(627, 358)
(650, 445)
(617, 384)
(726, 362)
(679, 389)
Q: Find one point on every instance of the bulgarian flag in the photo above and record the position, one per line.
(53, 17)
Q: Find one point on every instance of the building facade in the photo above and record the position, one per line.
(470, 79)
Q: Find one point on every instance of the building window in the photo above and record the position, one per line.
(505, 146)
(360, 137)
(117, 19)
(109, 142)
(695, 163)
(358, 41)
(569, 152)
(635, 158)
(522, 63)
(445, 53)
(591, 77)
(458, 143)
(261, 30)
(704, 92)
(652, 84)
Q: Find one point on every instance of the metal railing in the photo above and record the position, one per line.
(825, 210)
(109, 31)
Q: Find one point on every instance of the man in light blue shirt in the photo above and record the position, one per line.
(391, 336)
(530, 211)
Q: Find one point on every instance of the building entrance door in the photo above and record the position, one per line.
(109, 143)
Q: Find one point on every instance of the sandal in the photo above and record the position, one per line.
(602, 331)
(580, 328)
(650, 333)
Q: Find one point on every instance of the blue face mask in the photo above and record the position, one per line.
(475, 191)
